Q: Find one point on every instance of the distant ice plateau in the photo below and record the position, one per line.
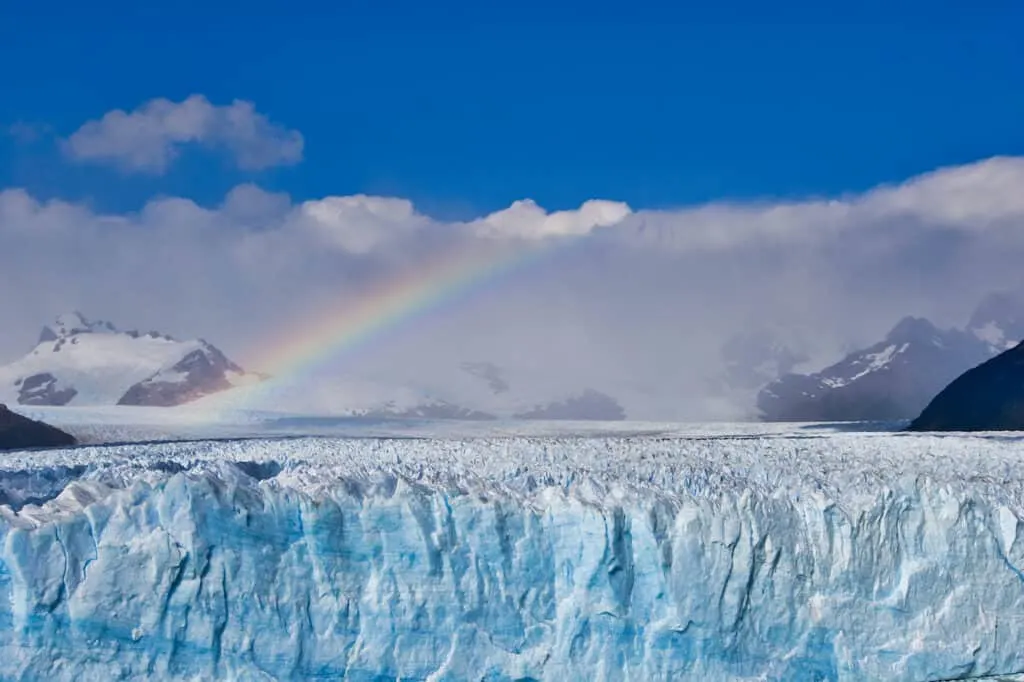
(715, 554)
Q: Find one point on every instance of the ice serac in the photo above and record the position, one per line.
(516, 559)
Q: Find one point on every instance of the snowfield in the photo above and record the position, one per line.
(121, 423)
(734, 553)
(100, 366)
(85, 362)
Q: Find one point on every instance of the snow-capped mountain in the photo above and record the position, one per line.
(896, 378)
(892, 379)
(82, 362)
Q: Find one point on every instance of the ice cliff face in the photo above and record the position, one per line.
(847, 557)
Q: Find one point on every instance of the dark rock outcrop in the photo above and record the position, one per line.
(201, 372)
(439, 409)
(590, 405)
(989, 397)
(44, 389)
(895, 379)
(70, 324)
(891, 380)
(18, 432)
(488, 372)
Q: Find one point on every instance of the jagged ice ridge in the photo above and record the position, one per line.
(829, 557)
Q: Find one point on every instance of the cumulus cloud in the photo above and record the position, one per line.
(978, 197)
(637, 303)
(148, 139)
(359, 224)
(528, 220)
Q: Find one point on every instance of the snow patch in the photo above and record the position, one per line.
(1007, 528)
(873, 362)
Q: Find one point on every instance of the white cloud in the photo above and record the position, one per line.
(149, 138)
(359, 224)
(972, 196)
(641, 301)
(975, 197)
(526, 219)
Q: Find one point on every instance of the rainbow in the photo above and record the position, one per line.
(389, 306)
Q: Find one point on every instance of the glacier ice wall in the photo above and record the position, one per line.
(835, 558)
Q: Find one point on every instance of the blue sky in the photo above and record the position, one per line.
(463, 109)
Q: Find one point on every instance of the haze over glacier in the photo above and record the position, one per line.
(636, 304)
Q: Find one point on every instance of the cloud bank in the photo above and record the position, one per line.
(636, 303)
(148, 139)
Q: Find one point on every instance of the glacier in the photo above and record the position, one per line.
(799, 556)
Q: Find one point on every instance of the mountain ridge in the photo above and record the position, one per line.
(897, 377)
(18, 432)
(989, 397)
(78, 361)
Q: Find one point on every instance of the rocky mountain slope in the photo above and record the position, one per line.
(897, 377)
(892, 379)
(18, 432)
(989, 397)
(82, 362)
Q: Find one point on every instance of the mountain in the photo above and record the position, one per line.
(989, 397)
(897, 377)
(892, 379)
(999, 321)
(468, 390)
(589, 404)
(78, 361)
(754, 358)
(430, 409)
(18, 432)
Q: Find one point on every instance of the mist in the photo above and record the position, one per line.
(635, 302)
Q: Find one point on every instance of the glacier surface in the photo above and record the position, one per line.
(841, 556)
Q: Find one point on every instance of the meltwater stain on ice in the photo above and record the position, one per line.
(849, 557)
(259, 471)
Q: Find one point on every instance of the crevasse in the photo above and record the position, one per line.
(517, 560)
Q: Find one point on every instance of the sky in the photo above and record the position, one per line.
(818, 171)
